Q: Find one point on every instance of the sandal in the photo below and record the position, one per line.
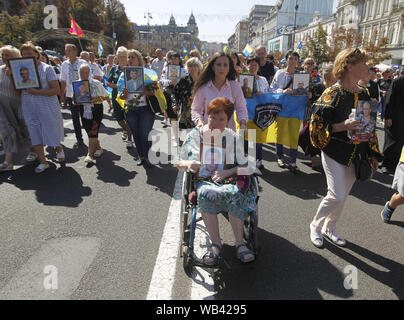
(32, 156)
(5, 166)
(241, 255)
(213, 256)
(281, 163)
(41, 168)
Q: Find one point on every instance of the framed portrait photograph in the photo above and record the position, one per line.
(81, 92)
(24, 73)
(301, 82)
(213, 158)
(174, 73)
(367, 118)
(247, 85)
(134, 79)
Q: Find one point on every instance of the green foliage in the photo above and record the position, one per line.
(12, 30)
(317, 47)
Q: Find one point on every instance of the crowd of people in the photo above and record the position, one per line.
(208, 96)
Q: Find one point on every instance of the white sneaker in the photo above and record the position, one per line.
(259, 164)
(88, 159)
(41, 168)
(317, 239)
(98, 153)
(124, 136)
(334, 238)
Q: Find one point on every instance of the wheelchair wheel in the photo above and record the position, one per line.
(186, 261)
(251, 232)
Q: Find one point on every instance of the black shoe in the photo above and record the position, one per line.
(147, 164)
(78, 144)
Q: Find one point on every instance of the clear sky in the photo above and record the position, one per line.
(216, 19)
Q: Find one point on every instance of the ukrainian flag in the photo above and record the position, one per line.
(225, 49)
(203, 49)
(248, 51)
(184, 53)
(285, 129)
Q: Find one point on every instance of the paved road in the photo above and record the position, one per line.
(99, 229)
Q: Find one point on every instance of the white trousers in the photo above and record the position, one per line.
(340, 180)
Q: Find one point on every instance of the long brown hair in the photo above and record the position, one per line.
(208, 73)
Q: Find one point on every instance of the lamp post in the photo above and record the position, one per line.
(294, 25)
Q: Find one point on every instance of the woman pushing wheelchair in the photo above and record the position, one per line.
(215, 154)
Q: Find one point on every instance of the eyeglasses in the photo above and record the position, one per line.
(355, 52)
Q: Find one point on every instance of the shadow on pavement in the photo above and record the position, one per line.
(392, 278)
(296, 184)
(55, 187)
(109, 172)
(280, 272)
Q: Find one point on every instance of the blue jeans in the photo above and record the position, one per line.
(141, 123)
(293, 153)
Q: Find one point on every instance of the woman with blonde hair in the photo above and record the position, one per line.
(183, 92)
(112, 82)
(330, 123)
(12, 126)
(41, 110)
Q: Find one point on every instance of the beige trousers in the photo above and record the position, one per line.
(340, 180)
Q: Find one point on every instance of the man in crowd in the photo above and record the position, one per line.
(95, 69)
(394, 126)
(70, 73)
(159, 62)
(266, 69)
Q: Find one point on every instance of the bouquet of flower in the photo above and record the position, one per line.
(133, 103)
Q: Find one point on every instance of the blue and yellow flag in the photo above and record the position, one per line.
(203, 49)
(184, 53)
(248, 50)
(276, 117)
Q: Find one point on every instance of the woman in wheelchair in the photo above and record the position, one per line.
(214, 147)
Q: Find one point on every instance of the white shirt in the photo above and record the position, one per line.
(65, 74)
(158, 65)
(95, 69)
(262, 85)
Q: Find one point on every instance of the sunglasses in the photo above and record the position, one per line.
(354, 53)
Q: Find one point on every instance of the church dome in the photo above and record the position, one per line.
(192, 19)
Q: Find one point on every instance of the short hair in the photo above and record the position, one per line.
(251, 59)
(122, 50)
(386, 71)
(72, 46)
(169, 54)
(309, 60)
(84, 66)
(261, 47)
(293, 53)
(138, 55)
(194, 62)
(346, 57)
(218, 105)
(24, 68)
(195, 54)
(11, 50)
(29, 46)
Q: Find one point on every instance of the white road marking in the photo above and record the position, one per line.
(71, 257)
(163, 276)
(202, 280)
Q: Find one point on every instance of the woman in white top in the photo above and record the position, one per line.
(253, 65)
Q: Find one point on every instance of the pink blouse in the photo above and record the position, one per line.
(230, 90)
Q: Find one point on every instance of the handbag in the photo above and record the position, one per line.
(363, 169)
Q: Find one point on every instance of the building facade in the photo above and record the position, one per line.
(280, 21)
(169, 37)
(241, 35)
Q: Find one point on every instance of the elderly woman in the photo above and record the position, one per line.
(112, 82)
(183, 92)
(219, 80)
(12, 126)
(42, 111)
(214, 194)
(93, 114)
(329, 128)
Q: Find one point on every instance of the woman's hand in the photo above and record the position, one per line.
(309, 95)
(259, 92)
(351, 124)
(243, 125)
(193, 166)
(173, 83)
(288, 91)
(7, 71)
(220, 175)
(33, 91)
(124, 94)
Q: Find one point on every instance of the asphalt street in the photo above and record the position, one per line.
(101, 227)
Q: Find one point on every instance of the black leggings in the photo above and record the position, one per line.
(92, 126)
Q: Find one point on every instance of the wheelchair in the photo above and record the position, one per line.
(189, 220)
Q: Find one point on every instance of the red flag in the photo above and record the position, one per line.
(75, 29)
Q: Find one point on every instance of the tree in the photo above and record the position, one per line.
(34, 17)
(317, 47)
(12, 30)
